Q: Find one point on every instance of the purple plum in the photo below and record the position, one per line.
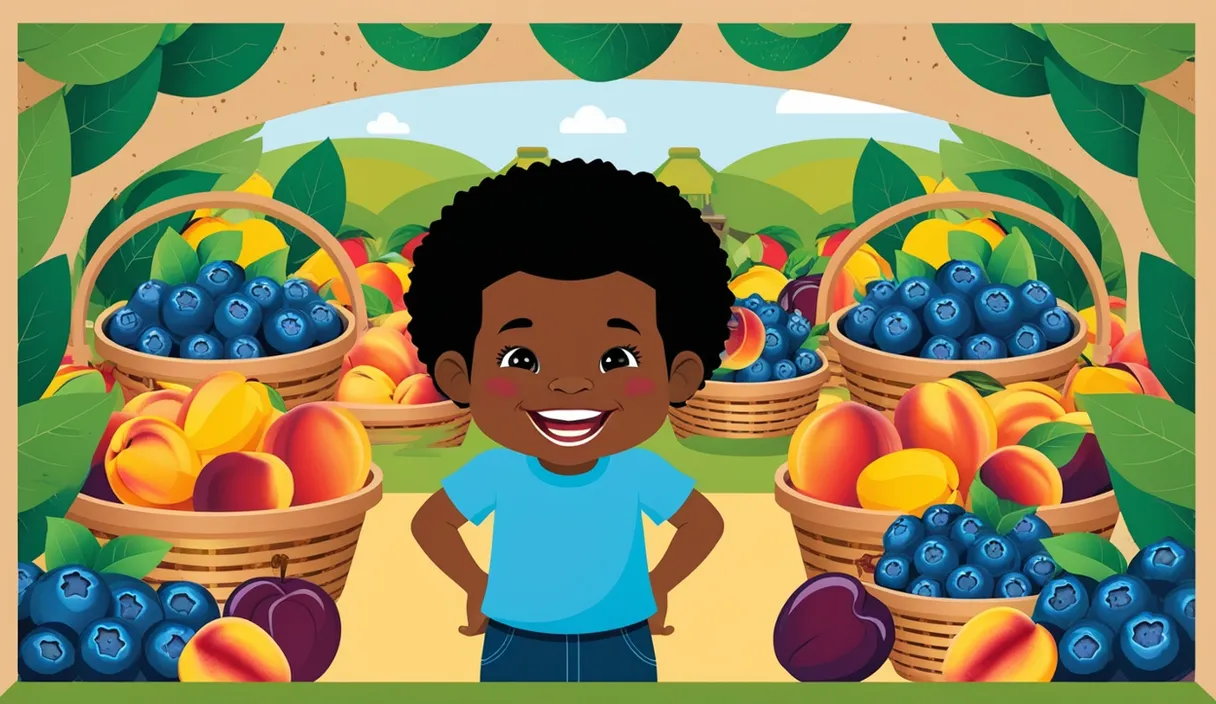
(832, 630)
(802, 295)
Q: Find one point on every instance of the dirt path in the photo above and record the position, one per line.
(399, 613)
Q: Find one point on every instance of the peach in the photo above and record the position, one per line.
(377, 275)
(1097, 380)
(1131, 349)
(243, 481)
(1145, 377)
(763, 280)
(164, 403)
(73, 379)
(232, 649)
(908, 481)
(398, 320)
(1048, 391)
(416, 390)
(1078, 418)
(388, 351)
(833, 445)
(402, 272)
(951, 417)
(326, 448)
(745, 341)
(117, 418)
(366, 384)
(172, 386)
(274, 415)
(1022, 475)
(1001, 644)
(150, 463)
(223, 413)
(1118, 329)
(1018, 410)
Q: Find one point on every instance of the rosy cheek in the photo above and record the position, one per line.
(639, 387)
(501, 387)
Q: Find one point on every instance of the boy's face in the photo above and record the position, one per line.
(569, 371)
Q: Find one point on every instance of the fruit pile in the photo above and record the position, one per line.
(766, 344)
(958, 314)
(225, 446)
(220, 315)
(383, 367)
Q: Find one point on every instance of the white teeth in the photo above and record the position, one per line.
(571, 434)
(567, 438)
(569, 416)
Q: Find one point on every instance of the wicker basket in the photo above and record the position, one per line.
(311, 375)
(221, 550)
(748, 411)
(434, 425)
(846, 539)
(879, 379)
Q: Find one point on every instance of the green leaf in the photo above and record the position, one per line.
(44, 177)
(979, 381)
(36, 36)
(44, 314)
(273, 265)
(315, 185)
(377, 302)
(907, 266)
(32, 524)
(820, 266)
(174, 261)
(787, 237)
(69, 543)
(1026, 186)
(90, 54)
(969, 247)
(401, 46)
(56, 438)
(998, 57)
(771, 51)
(1167, 318)
(881, 181)
(996, 512)
(1149, 519)
(1081, 221)
(1167, 177)
(104, 117)
(235, 156)
(402, 236)
(1126, 54)
(799, 31)
(440, 31)
(1086, 555)
(1012, 262)
(132, 555)
(1058, 441)
(1149, 441)
(1112, 252)
(1104, 118)
(276, 399)
(173, 32)
(220, 246)
(976, 152)
(605, 52)
(392, 257)
(819, 330)
(209, 59)
(751, 205)
(755, 248)
(799, 263)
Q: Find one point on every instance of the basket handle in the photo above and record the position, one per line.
(215, 199)
(980, 201)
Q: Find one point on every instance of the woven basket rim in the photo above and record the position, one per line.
(386, 412)
(784, 388)
(892, 599)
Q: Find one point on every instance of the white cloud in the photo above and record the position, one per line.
(387, 123)
(591, 120)
(800, 102)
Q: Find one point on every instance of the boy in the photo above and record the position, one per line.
(568, 330)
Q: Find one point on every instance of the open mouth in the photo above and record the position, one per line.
(569, 427)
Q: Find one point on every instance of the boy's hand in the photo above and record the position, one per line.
(658, 625)
(476, 620)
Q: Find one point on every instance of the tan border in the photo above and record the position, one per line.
(1202, 12)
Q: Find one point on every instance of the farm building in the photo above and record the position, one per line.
(527, 156)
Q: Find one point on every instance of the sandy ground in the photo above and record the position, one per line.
(399, 613)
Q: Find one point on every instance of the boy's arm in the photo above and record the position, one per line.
(436, 527)
(698, 528)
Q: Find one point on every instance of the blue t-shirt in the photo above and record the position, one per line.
(568, 554)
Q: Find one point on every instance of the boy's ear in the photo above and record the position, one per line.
(452, 377)
(687, 373)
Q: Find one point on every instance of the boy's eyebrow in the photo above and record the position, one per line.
(515, 324)
(623, 324)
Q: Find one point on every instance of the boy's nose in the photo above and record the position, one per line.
(571, 384)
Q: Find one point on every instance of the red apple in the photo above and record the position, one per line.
(356, 250)
(408, 250)
(774, 254)
(834, 240)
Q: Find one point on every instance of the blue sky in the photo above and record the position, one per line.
(637, 120)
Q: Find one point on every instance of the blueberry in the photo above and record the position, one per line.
(961, 277)
(1118, 597)
(914, 292)
(807, 362)
(27, 574)
(266, 292)
(739, 303)
(1027, 339)
(893, 572)
(221, 278)
(983, 347)
(924, 586)
(155, 341)
(775, 345)
(298, 293)
(898, 331)
(1028, 533)
(859, 323)
(772, 314)
(903, 535)
(881, 293)
(942, 347)
(1149, 644)
(949, 315)
(237, 315)
(163, 646)
(188, 603)
(1034, 297)
(1056, 326)
(1062, 602)
(287, 331)
(797, 330)
(995, 553)
(187, 310)
(134, 603)
(72, 595)
(968, 529)
(109, 651)
(47, 654)
(1041, 568)
(939, 518)
(202, 346)
(755, 302)
(969, 582)
(935, 557)
(1086, 653)
(784, 369)
(147, 298)
(124, 326)
(760, 371)
(997, 310)
(1013, 585)
(1165, 560)
(244, 347)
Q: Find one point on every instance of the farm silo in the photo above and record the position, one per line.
(527, 156)
(685, 170)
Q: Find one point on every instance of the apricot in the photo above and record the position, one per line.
(1097, 380)
(243, 481)
(745, 341)
(1131, 349)
(150, 463)
(1118, 329)
(951, 417)
(1048, 391)
(163, 403)
(402, 272)
(1078, 418)
(1022, 475)
(416, 390)
(908, 481)
(232, 649)
(117, 418)
(1001, 644)
(760, 279)
(366, 384)
(274, 415)
(1145, 377)
(1018, 410)
(377, 275)
(398, 320)
(223, 413)
(325, 447)
(833, 445)
(388, 351)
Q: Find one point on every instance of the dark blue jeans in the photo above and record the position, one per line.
(515, 655)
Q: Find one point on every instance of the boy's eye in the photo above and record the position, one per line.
(618, 357)
(519, 358)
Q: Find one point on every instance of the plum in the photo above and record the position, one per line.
(801, 296)
(832, 630)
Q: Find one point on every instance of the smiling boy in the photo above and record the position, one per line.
(569, 330)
